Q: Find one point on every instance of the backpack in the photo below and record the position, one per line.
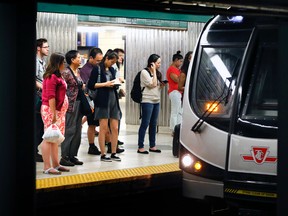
(136, 91)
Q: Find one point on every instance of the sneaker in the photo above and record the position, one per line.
(76, 161)
(115, 158)
(118, 150)
(120, 142)
(93, 150)
(105, 158)
(38, 157)
(65, 161)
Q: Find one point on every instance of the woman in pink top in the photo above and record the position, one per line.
(172, 74)
(53, 110)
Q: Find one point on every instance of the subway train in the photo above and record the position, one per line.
(227, 141)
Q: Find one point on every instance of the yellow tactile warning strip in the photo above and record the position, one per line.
(251, 193)
(96, 178)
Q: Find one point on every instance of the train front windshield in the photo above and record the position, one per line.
(215, 83)
(222, 72)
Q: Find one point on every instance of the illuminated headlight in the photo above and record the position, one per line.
(188, 161)
(197, 166)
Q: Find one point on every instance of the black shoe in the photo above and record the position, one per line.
(75, 161)
(142, 152)
(93, 150)
(118, 150)
(65, 161)
(120, 142)
(38, 158)
(156, 150)
(105, 158)
(115, 158)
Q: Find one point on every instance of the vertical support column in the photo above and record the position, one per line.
(282, 190)
(17, 164)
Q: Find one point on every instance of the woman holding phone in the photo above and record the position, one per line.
(151, 79)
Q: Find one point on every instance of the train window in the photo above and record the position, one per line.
(264, 94)
(261, 102)
(259, 113)
(216, 81)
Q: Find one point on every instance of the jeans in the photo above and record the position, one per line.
(149, 118)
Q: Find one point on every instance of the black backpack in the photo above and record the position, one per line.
(136, 91)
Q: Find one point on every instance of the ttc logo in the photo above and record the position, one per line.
(259, 155)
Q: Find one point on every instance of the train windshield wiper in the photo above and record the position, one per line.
(213, 106)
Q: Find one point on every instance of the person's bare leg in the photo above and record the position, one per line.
(114, 134)
(84, 119)
(102, 133)
(46, 151)
(108, 137)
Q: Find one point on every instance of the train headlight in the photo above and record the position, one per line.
(197, 166)
(187, 160)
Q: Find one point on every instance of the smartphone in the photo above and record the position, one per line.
(165, 81)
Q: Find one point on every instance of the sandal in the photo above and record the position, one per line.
(52, 171)
(62, 169)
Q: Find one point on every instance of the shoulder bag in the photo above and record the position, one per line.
(85, 107)
(93, 93)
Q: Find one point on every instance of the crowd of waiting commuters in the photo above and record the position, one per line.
(58, 87)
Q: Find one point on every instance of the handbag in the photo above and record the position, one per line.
(53, 134)
(93, 93)
(85, 107)
(90, 101)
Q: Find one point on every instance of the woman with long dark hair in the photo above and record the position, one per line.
(53, 110)
(151, 81)
(107, 108)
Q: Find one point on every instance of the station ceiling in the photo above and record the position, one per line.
(208, 7)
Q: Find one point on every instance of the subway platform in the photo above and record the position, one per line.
(134, 174)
